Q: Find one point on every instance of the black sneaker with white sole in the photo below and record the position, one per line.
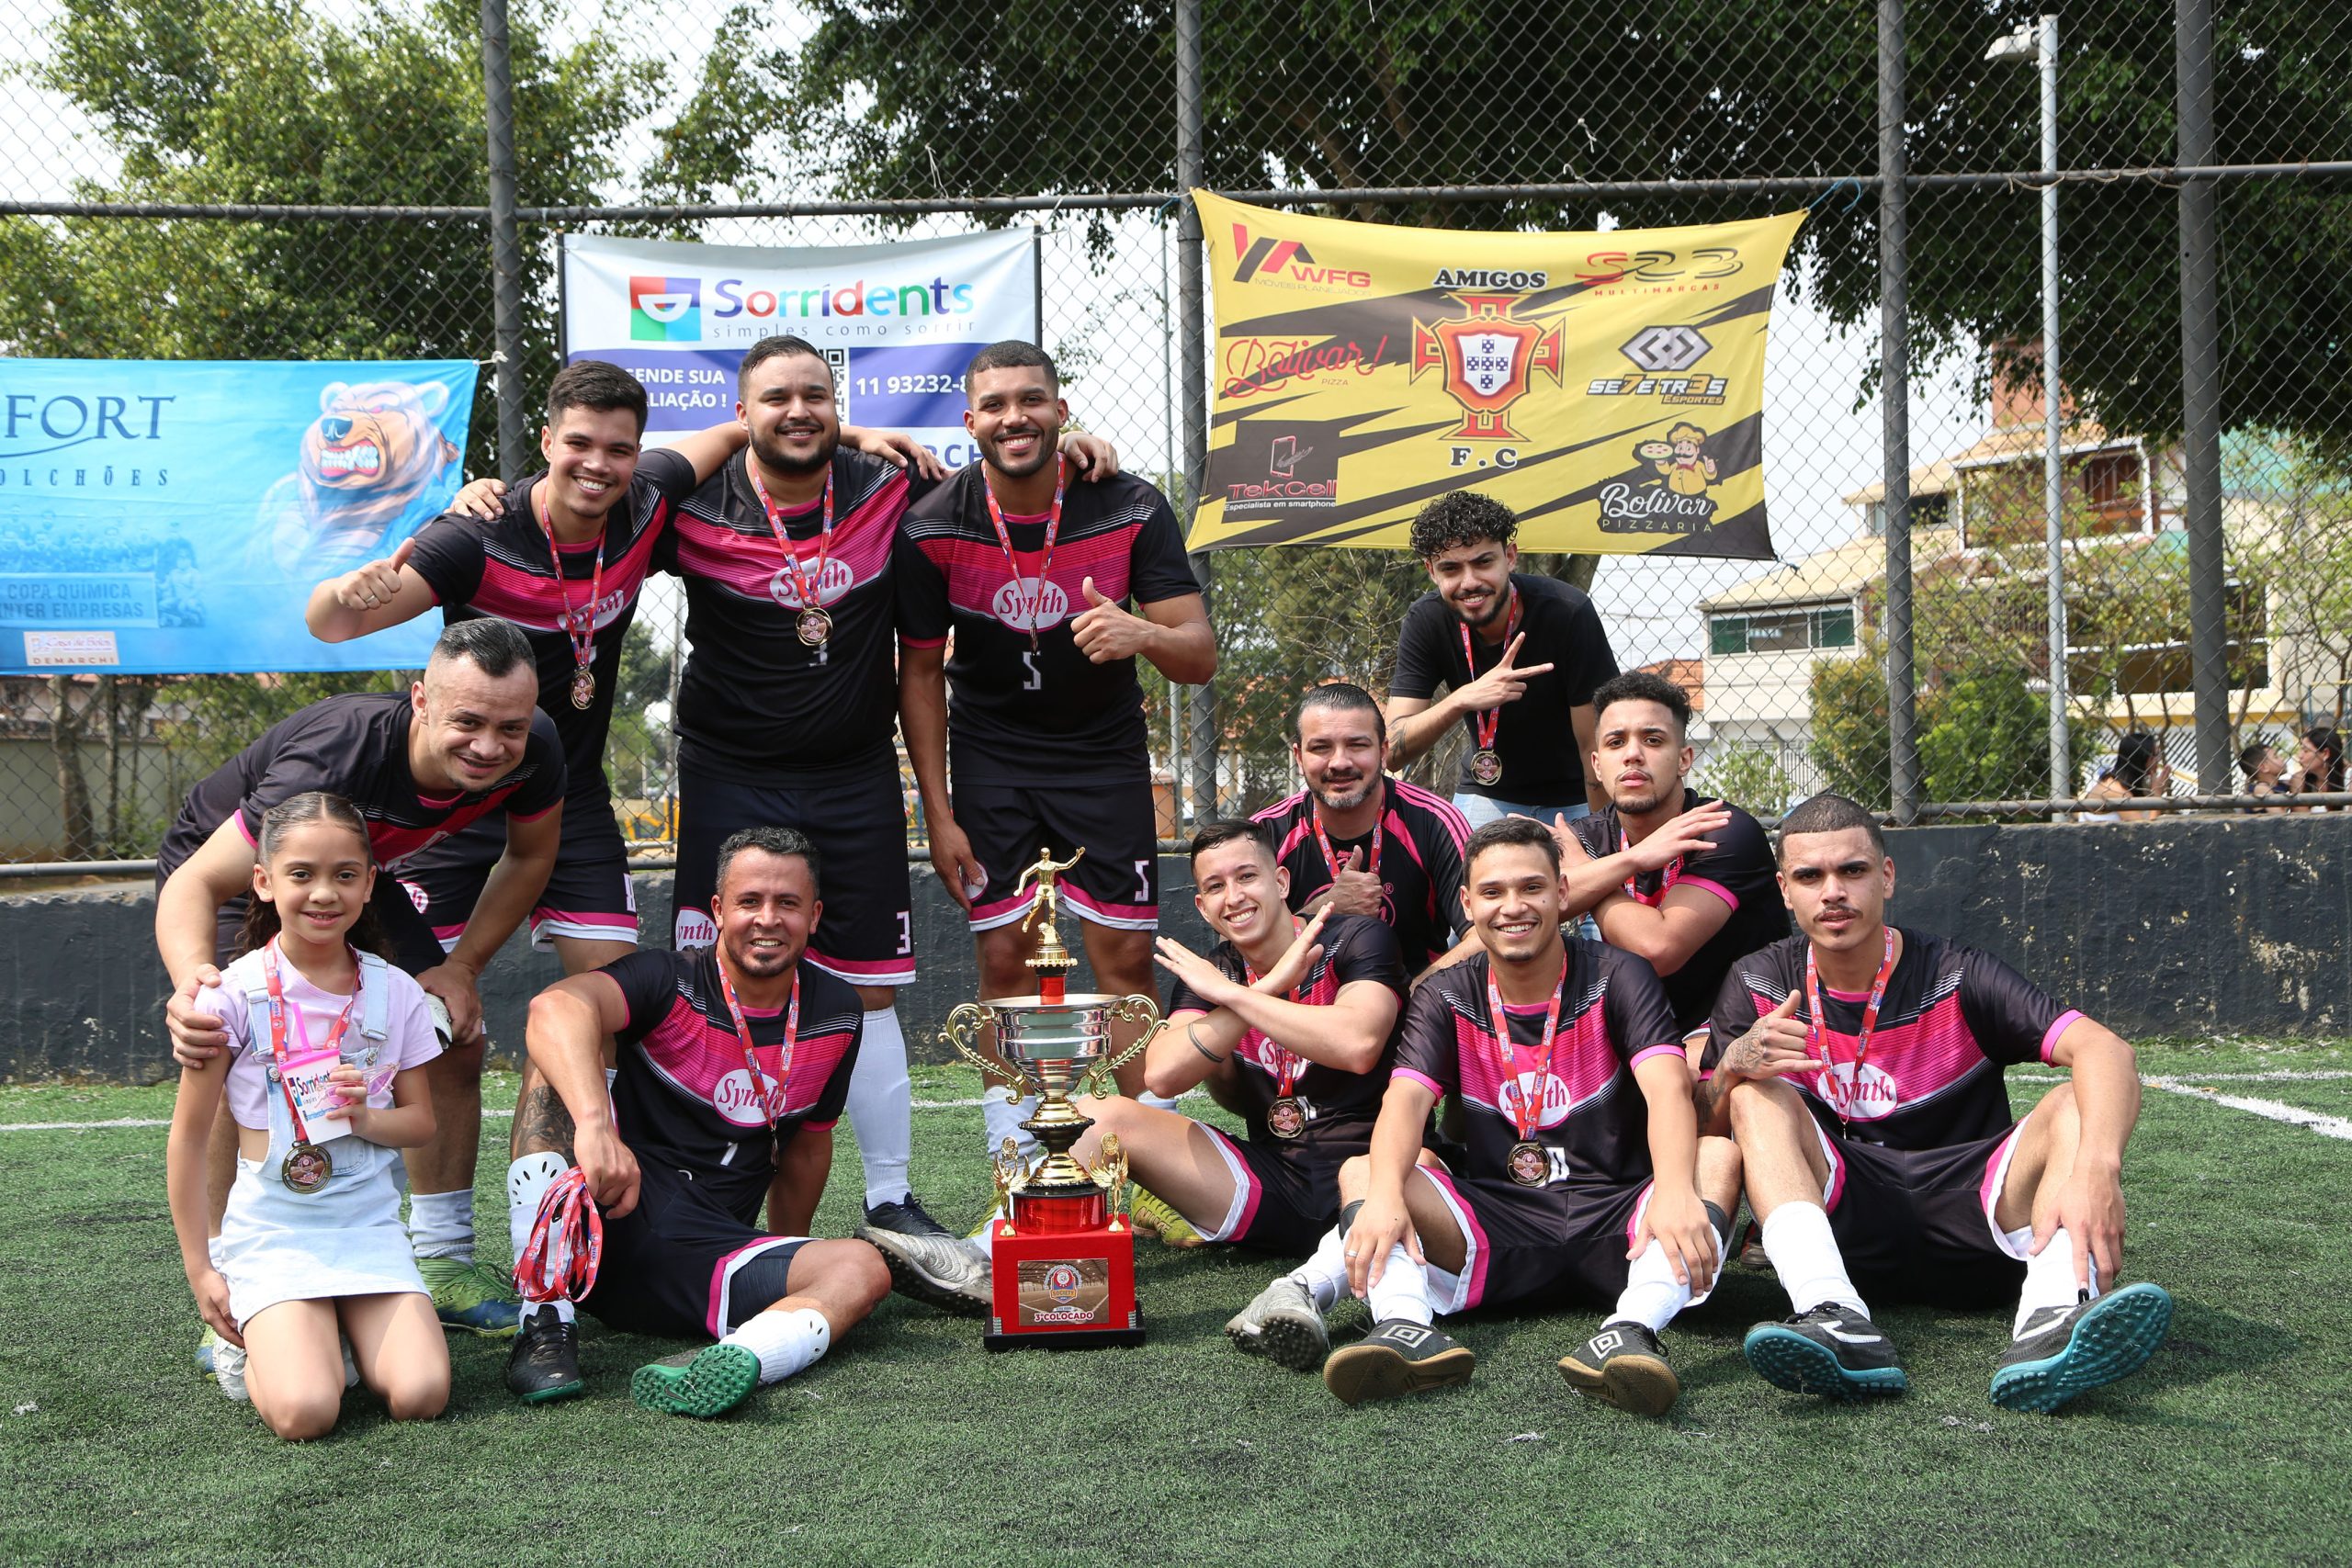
(939, 1270)
(1282, 1324)
(1624, 1365)
(1398, 1357)
(906, 1217)
(544, 1362)
(2065, 1351)
(1829, 1350)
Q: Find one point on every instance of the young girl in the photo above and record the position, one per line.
(311, 1251)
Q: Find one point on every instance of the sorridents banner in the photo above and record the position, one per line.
(898, 323)
(172, 516)
(1608, 387)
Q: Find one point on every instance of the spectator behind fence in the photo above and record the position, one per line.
(2265, 770)
(2319, 765)
(2139, 771)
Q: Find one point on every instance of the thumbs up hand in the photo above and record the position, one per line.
(375, 584)
(1105, 631)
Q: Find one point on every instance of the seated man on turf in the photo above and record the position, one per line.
(1859, 1067)
(1581, 1139)
(735, 1062)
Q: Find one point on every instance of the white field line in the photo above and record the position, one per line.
(2294, 1116)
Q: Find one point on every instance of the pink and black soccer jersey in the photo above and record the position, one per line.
(502, 567)
(1739, 870)
(1342, 1107)
(1953, 1017)
(756, 705)
(684, 1101)
(1421, 837)
(1024, 716)
(357, 746)
(1612, 1015)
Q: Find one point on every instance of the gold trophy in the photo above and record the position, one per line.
(1065, 1253)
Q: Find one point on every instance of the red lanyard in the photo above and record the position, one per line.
(803, 585)
(280, 1026)
(770, 1102)
(1045, 558)
(1666, 878)
(1818, 1038)
(1485, 722)
(580, 626)
(1531, 1106)
(567, 1244)
(1287, 1063)
(1331, 856)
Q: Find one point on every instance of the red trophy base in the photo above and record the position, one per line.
(1065, 1275)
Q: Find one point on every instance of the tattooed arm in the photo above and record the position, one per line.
(1775, 1046)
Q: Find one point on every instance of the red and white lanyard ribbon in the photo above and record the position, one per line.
(803, 585)
(1046, 556)
(281, 1028)
(1530, 1105)
(1287, 1063)
(771, 1099)
(1667, 879)
(1331, 856)
(1485, 722)
(567, 1244)
(578, 625)
(1817, 1041)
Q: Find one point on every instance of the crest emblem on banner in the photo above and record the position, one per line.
(1489, 359)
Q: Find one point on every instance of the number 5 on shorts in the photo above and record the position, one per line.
(1037, 681)
(1143, 882)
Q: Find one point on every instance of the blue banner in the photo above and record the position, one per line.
(172, 516)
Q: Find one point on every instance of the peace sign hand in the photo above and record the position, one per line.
(1505, 682)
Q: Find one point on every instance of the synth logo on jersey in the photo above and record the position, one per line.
(665, 310)
(832, 583)
(1026, 605)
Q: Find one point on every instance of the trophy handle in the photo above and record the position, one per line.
(962, 1028)
(1127, 1010)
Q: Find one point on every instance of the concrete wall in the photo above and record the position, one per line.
(2167, 928)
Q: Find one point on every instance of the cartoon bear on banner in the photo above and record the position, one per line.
(372, 454)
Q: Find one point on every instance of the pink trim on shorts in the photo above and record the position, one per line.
(1997, 1177)
(1717, 888)
(1247, 1189)
(1834, 1188)
(1119, 917)
(449, 936)
(1001, 912)
(2058, 1026)
(722, 1277)
(821, 1127)
(1646, 1052)
(858, 972)
(1472, 1278)
(1640, 1207)
(906, 641)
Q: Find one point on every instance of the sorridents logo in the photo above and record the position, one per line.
(1556, 1103)
(695, 928)
(665, 310)
(832, 583)
(1489, 359)
(736, 1098)
(1025, 604)
(1265, 259)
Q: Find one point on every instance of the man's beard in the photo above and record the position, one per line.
(1332, 800)
(776, 459)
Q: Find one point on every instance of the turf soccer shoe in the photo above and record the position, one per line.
(906, 1217)
(715, 1381)
(544, 1362)
(471, 1296)
(1283, 1326)
(229, 1368)
(207, 1344)
(1154, 1215)
(1398, 1357)
(1826, 1350)
(939, 1269)
(1624, 1365)
(2069, 1350)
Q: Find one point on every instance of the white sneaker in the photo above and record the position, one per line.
(936, 1270)
(228, 1367)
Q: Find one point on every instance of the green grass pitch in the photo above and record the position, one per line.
(908, 1444)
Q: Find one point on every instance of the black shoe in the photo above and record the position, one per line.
(544, 1362)
(1624, 1365)
(2071, 1351)
(907, 1218)
(1826, 1350)
(1398, 1357)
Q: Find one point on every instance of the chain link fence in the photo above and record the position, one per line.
(281, 180)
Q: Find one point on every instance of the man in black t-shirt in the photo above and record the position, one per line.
(1581, 1152)
(1859, 1067)
(1033, 575)
(1688, 884)
(1519, 654)
(468, 740)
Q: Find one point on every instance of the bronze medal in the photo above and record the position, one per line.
(814, 626)
(306, 1168)
(1528, 1163)
(583, 688)
(1287, 1118)
(1485, 767)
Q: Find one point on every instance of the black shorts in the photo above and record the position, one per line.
(679, 1265)
(589, 894)
(1917, 1226)
(1563, 1244)
(1282, 1202)
(1117, 883)
(859, 827)
(414, 949)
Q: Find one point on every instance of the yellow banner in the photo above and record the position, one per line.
(1609, 388)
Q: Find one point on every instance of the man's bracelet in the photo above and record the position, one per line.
(1195, 1039)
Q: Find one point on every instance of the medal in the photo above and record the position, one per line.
(772, 1092)
(1486, 764)
(1485, 767)
(1285, 1117)
(579, 626)
(306, 1167)
(1046, 555)
(1529, 1163)
(813, 626)
(1842, 1094)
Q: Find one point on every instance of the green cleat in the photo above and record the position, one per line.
(1154, 1215)
(471, 1296)
(714, 1382)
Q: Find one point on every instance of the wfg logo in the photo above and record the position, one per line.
(1268, 260)
(1028, 605)
(832, 583)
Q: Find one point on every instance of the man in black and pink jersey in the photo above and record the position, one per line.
(1858, 1066)
(466, 742)
(1033, 574)
(1684, 882)
(1289, 1024)
(1583, 1179)
(1359, 842)
(734, 1066)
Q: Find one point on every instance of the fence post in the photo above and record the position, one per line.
(2200, 398)
(505, 241)
(1894, 402)
(1192, 353)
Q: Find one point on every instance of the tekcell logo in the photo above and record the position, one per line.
(1301, 468)
(665, 310)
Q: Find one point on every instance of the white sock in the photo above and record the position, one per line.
(1004, 1122)
(528, 1181)
(881, 1107)
(783, 1341)
(441, 1225)
(1652, 1294)
(2048, 1276)
(1325, 1275)
(1402, 1291)
(1804, 1254)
